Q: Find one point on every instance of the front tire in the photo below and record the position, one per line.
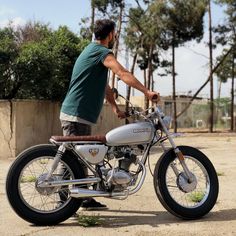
(182, 199)
(40, 206)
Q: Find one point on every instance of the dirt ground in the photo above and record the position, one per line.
(142, 213)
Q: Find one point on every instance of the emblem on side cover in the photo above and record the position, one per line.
(94, 151)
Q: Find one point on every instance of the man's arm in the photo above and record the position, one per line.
(111, 100)
(111, 63)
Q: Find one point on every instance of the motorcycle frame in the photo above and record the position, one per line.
(96, 179)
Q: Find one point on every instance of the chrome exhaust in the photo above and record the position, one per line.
(85, 193)
(57, 183)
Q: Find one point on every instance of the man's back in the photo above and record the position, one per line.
(87, 86)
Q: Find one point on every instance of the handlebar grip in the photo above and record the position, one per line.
(155, 98)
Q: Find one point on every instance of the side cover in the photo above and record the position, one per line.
(94, 154)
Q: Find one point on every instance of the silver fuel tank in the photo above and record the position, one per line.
(135, 133)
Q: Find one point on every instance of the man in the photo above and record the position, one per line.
(89, 86)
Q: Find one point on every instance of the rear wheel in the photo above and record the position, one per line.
(181, 198)
(42, 206)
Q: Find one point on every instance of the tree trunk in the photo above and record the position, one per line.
(232, 96)
(92, 19)
(145, 78)
(173, 87)
(13, 92)
(152, 85)
(218, 99)
(115, 51)
(128, 87)
(219, 89)
(148, 84)
(210, 71)
(145, 85)
(152, 82)
(206, 82)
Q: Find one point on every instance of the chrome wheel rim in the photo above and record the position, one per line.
(197, 195)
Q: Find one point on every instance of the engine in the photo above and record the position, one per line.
(119, 178)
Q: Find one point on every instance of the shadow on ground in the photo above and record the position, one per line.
(151, 218)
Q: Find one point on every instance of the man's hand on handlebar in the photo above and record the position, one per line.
(120, 114)
(153, 96)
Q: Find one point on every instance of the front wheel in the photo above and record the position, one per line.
(42, 206)
(184, 199)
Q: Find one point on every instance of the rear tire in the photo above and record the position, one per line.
(15, 195)
(191, 207)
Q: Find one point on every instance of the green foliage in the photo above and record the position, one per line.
(162, 24)
(89, 221)
(196, 196)
(225, 33)
(8, 52)
(104, 9)
(28, 179)
(184, 20)
(220, 174)
(223, 101)
(224, 72)
(201, 112)
(36, 62)
(107, 5)
(143, 34)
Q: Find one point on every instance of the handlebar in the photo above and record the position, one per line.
(151, 115)
(155, 98)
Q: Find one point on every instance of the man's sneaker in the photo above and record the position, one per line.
(92, 205)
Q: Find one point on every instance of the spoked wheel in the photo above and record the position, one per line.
(42, 205)
(181, 197)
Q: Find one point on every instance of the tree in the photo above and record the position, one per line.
(215, 68)
(36, 62)
(228, 71)
(65, 47)
(183, 22)
(12, 44)
(210, 69)
(8, 52)
(143, 38)
(226, 36)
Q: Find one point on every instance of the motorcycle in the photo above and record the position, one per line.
(47, 183)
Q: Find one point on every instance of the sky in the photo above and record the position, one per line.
(191, 67)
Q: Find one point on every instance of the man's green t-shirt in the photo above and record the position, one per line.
(88, 82)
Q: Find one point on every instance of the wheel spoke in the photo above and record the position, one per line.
(45, 200)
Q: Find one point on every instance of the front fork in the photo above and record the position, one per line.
(178, 153)
(181, 158)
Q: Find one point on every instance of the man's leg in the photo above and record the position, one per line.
(79, 129)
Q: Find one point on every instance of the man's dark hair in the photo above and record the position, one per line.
(102, 28)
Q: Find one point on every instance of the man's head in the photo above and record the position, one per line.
(105, 30)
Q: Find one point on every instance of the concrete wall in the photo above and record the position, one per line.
(35, 122)
(7, 130)
(24, 123)
(107, 120)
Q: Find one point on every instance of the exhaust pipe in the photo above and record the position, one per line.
(85, 193)
(57, 183)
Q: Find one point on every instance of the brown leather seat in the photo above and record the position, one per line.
(98, 138)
